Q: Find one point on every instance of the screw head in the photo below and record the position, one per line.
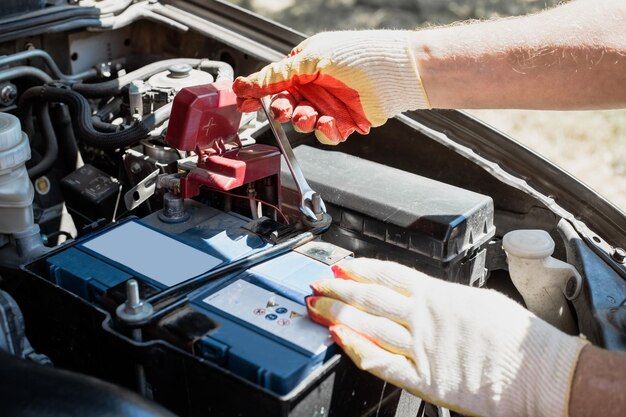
(619, 255)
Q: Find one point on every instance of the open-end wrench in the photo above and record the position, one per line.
(311, 204)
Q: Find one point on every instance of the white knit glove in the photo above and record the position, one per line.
(467, 349)
(339, 82)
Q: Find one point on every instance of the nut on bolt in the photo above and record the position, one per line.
(134, 309)
(103, 69)
(8, 94)
(619, 255)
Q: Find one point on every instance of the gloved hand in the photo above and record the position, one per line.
(337, 83)
(467, 349)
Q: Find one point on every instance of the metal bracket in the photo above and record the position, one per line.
(141, 192)
(324, 252)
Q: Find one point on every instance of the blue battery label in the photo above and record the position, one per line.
(273, 313)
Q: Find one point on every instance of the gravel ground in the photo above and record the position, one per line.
(588, 144)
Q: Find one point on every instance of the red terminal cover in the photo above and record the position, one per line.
(203, 119)
(203, 115)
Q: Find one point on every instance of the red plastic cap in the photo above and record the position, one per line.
(202, 115)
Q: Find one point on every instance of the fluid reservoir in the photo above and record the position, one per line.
(16, 189)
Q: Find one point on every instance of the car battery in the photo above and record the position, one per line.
(261, 330)
(243, 346)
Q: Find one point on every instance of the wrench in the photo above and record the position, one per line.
(310, 201)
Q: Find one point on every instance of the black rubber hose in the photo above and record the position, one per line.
(108, 111)
(101, 126)
(68, 148)
(52, 147)
(81, 116)
(114, 87)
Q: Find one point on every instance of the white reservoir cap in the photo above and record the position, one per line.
(529, 244)
(14, 146)
(10, 131)
(179, 77)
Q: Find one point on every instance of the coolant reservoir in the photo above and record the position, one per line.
(539, 277)
(16, 190)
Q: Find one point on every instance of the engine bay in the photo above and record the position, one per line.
(154, 237)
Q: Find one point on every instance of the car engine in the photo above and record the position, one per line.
(154, 237)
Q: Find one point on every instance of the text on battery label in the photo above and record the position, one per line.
(272, 313)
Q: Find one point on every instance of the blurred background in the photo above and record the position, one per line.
(591, 145)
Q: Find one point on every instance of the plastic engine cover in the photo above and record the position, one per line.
(383, 212)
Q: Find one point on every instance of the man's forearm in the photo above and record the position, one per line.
(599, 384)
(570, 57)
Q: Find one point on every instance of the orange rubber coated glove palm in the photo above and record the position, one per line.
(337, 83)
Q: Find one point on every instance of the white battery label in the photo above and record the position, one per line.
(273, 313)
(152, 254)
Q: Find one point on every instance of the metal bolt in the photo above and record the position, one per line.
(619, 255)
(132, 295)
(8, 94)
(134, 309)
(323, 219)
(316, 204)
(104, 69)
